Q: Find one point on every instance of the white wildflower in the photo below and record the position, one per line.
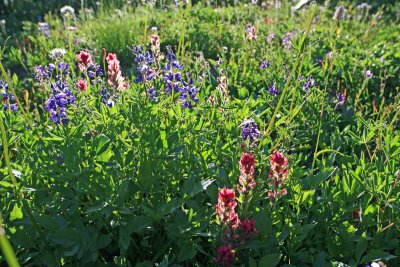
(57, 54)
(67, 11)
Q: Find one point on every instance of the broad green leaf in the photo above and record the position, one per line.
(270, 260)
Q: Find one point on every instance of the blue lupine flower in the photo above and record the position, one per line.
(249, 130)
(94, 70)
(341, 98)
(272, 90)
(63, 67)
(264, 64)
(309, 83)
(43, 73)
(286, 42)
(43, 27)
(106, 98)
(144, 60)
(188, 93)
(218, 63)
(8, 97)
(59, 101)
(152, 93)
(172, 77)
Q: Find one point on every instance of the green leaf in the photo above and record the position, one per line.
(16, 213)
(361, 247)
(377, 254)
(252, 262)
(270, 260)
(313, 181)
(5, 184)
(187, 252)
(138, 223)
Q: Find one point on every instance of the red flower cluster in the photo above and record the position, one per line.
(246, 179)
(248, 228)
(226, 255)
(278, 174)
(82, 85)
(115, 77)
(238, 232)
(226, 207)
(85, 60)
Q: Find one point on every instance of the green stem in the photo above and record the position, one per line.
(299, 59)
(329, 69)
(6, 247)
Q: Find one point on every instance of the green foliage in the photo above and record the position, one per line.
(136, 184)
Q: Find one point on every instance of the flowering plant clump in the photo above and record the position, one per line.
(222, 87)
(8, 97)
(341, 98)
(270, 38)
(174, 150)
(237, 232)
(43, 73)
(88, 68)
(278, 174)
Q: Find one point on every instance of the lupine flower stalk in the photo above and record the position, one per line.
(59, 101)
(264, 64)
(8, 97)
(273, 89)
(286, 42)
(43, 27)
(172, 76)
(249, 130)
(188, 92)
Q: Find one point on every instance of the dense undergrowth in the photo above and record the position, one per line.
(126, 138)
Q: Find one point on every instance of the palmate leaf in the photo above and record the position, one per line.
(313, 181)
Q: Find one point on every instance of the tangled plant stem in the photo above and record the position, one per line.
(299, 60)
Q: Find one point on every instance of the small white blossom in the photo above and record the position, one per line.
(57, 53)
(67, 11)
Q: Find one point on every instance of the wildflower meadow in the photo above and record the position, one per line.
(200, 133)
